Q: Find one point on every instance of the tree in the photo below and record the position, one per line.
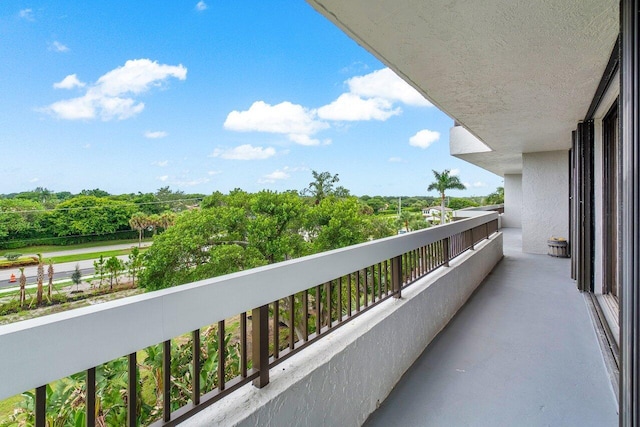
(50, 274)
(495, 198)
(336, 223)
(21, 218)
(444, 181)
(99, 268)
(86, 215)
(456, 203)
(76, 277)
(166, 220)
(202, 243)
(40, 279)
(114, 267)
(321, 186)
(23, 287)
(138, 222)
(274, 225)
(134, 264)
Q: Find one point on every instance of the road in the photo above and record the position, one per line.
(62, 270)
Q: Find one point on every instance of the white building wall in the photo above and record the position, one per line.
(545, 199)
(512, 216)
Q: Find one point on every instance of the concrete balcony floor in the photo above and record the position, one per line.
(523, 351)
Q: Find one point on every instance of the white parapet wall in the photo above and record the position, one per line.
(343, 378)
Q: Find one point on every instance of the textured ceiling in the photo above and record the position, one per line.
(517, 74)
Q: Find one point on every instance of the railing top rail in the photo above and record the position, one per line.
(38, 351)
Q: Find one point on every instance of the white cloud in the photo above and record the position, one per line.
(244, 152)
(163, 178)
(277, 175)
(454, 172)
(87, 146)
(477, 184)
(56, 46)
(191, 183)
(351, 107)
(34, 180)
(161, 163)
(110, 96)
(307, 140)
(424, 138)
(284, 118)
(201, 5)
(155, 134)
(386, 84)
(397, 160)
(26, 14)
(212, 173)
(69, 82)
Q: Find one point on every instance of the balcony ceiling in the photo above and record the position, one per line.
(518, 74)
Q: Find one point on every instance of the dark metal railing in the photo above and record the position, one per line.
(269, 334)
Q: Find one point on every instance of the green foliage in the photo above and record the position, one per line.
(321, 186)
(20, 218)
(443, 182)
(134, 264)
(76, 276)
(91, 215)
(275, 219)
(12, 256)
(335, 223)
(113, 267)
(99, 267)
(456, 203)
(201, 244)
(495, 198)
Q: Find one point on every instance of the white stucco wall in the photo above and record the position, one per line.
(342, 378)
(512, 216)
(545, 199)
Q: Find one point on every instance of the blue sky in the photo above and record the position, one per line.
(132, 96)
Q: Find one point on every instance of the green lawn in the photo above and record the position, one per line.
(92, 255)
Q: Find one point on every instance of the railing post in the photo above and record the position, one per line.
(396, 276)
(195, 392)
(166, 380)
(473, 239)
(132, 392)
(41, 406)
(260, 344)
(222, 353)
(91, 398)
(447, 257)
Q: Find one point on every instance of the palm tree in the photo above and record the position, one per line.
(321, 186)
(444, 182)
(138, 222)
(50, 273)
(23, 286)
(40, 279)
(167, 219)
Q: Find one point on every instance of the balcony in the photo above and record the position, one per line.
(522, 351)
(367, 312)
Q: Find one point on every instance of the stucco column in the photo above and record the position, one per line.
(512, 216)
(545, 199)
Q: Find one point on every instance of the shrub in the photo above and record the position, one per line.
(12, 256)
